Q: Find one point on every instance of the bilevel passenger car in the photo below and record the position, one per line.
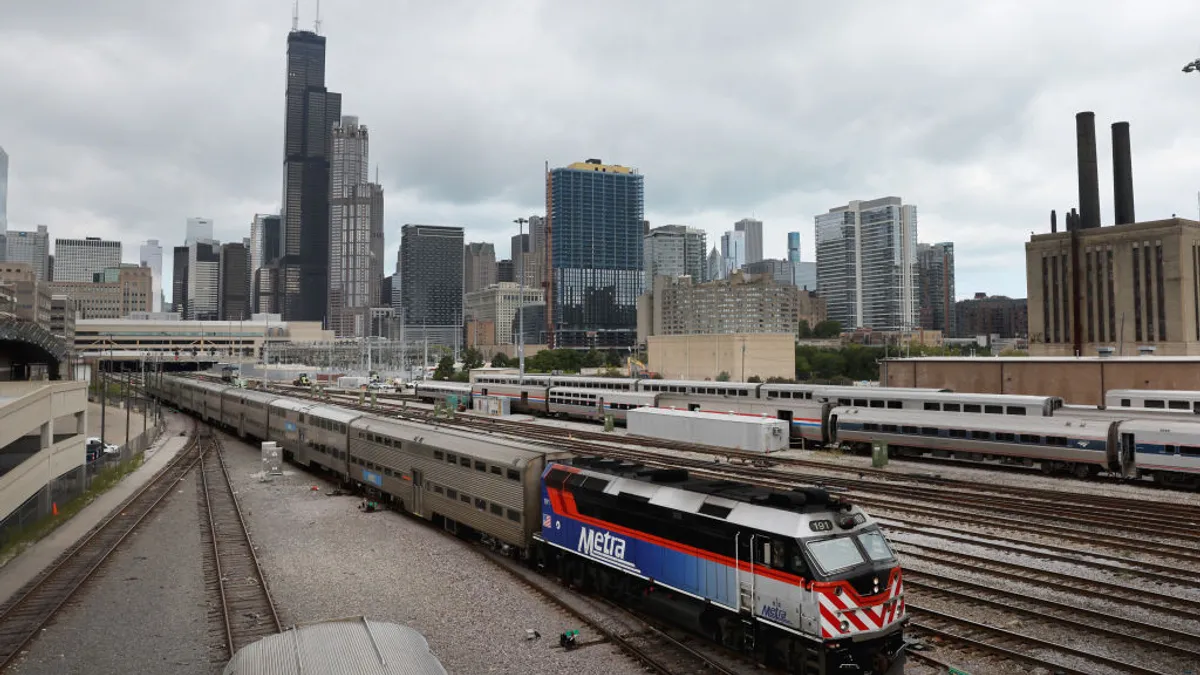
(1082, 447)
(526, 395)
(803, 579)
(594, 404)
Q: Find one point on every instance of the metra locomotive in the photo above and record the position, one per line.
(802, 579)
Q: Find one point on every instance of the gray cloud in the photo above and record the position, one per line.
(125, 117)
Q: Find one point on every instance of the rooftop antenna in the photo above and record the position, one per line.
(377, 175)
(295, 15)
(317, 21)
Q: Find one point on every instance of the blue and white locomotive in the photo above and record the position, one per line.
(801, 577)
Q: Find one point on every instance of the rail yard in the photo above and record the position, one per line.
(1003, 571)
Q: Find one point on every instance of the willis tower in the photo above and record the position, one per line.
(303, 283)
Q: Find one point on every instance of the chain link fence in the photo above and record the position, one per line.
(69, 486)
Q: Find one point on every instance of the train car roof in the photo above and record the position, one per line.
(1122, 413)
(784, 512)
(462, 386)
(1162, 393)
(501, 451)
(593, 378)
(204, 384)
(1190, 426)
(1016, 424)
(293, 404)
(784, 386)
(334, 413)
(252, 394)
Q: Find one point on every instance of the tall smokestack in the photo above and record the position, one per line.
(1053, 221)
(1122, 174)
(1089, 180)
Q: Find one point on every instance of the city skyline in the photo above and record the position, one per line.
(985, 157)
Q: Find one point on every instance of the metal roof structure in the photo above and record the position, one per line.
(351, 646)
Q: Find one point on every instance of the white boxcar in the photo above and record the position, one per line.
(739, 432)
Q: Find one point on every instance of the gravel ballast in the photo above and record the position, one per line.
(143, 612)
(324, 559)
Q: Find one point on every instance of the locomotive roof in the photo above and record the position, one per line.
(798, 500)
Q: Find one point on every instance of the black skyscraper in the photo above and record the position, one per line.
(271, 238)
(179, 278)
(311, 111)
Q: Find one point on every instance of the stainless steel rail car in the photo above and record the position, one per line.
(1166, 451)
(529, 397)
(606, 383)
(491, 486)
(431, 391)
(246, 411)
(324, 430)
(594, 404)
(1153, 399)
(286, 424)
(1080, 446)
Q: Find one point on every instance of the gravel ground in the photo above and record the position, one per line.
(143, 612)
(324, 559)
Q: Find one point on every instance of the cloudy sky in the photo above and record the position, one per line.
(124, 117)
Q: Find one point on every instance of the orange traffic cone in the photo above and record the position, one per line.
(54, 507)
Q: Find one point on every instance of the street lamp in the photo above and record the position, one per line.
(521, 299)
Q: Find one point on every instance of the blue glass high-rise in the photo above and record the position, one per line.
(595, 228)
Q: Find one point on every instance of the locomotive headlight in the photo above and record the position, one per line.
(845, 626)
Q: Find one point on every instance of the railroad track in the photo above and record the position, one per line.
(1140, 637)
(247, 612)
(972, 636)
(31, 607)
(657, 649)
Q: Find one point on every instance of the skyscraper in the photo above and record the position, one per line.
(198, 228)
(754, 238)
(935, 284)
(151, 256)
(733, 251)
(356, 235)
(311, 111)
(479, 266)
(524, 261)
(715, 265)
(866, 264)
(356, 259)
(431, 282)
(673, 251)
(179, 280)
(204, 280)
(32, 248)
(233, 304)
(793, 247)
(80, 259)
(594, 231)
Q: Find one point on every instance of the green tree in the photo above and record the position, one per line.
(723, 376)
(445, 368)
(828, 364)
(803, 367)
(500, 360)
(472, 359)
(805, 332)
(827, 329)
(614, 359)
(754, 379)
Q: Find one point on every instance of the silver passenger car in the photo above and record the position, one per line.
(594, 404)
(454, 479)
(287, 424)
(246, 411)
(323, 437)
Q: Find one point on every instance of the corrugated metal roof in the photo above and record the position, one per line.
(354, 646)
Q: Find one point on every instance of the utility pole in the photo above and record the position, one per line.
(128, 400)
(521, 299)
(743, 359)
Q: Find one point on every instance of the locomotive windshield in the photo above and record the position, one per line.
(840, 553)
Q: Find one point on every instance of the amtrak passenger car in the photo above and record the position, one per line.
(810, 581)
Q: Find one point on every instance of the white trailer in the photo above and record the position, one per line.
(352, 382)
(739, 432)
